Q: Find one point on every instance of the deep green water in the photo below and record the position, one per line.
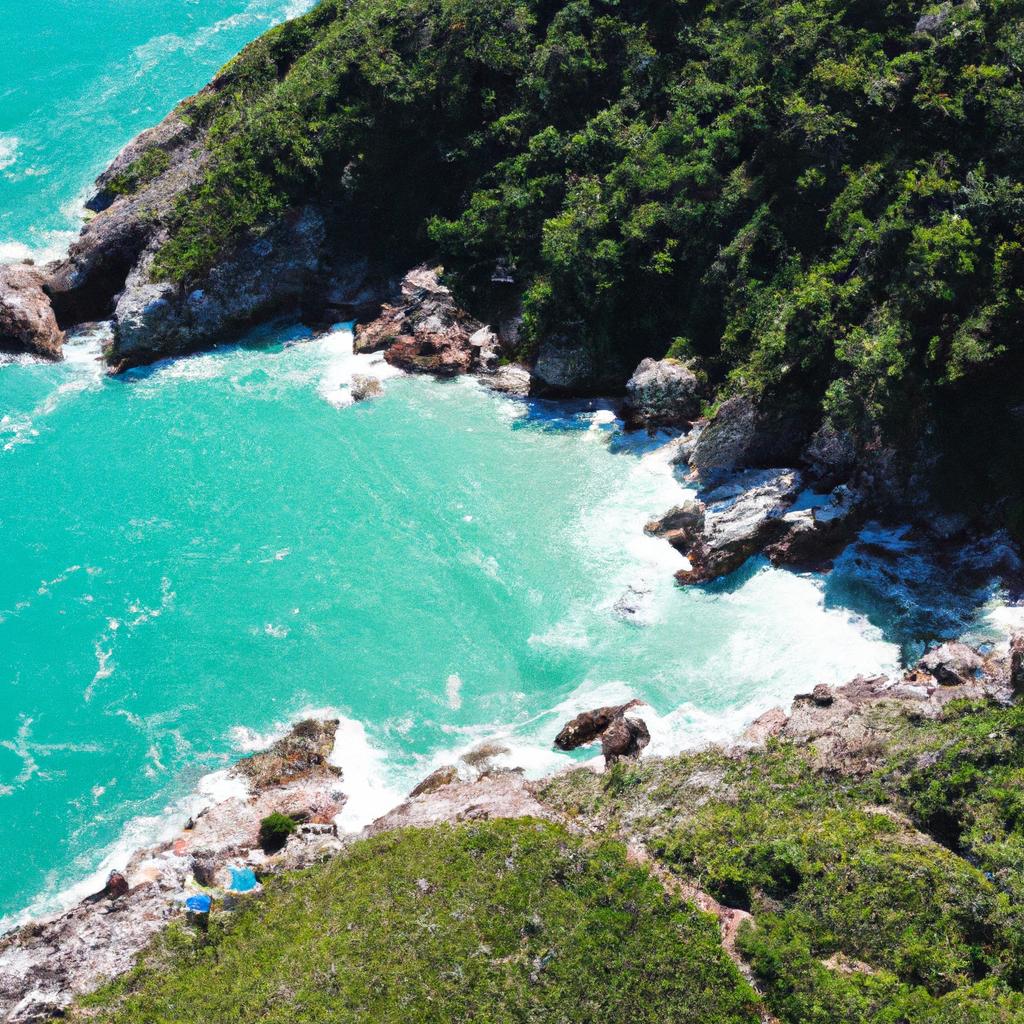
(192, 556)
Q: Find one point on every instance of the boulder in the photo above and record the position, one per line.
(952, 664)
(569, 367)
(624, 738)
(510, 379)
(365, 386)
(27, 320)
(662, 393)
(589, 725)
(822, 695)
(731, 522)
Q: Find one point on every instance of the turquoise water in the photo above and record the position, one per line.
(194, 555)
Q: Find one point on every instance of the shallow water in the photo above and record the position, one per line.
(193, 555)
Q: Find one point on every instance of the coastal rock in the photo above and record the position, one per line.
(624, 738)
(588, 725)
(422, 330)
(265, 275)
(830, 455)
(763, 728)
(822, 695)
(27, 321)
(743, 434)
(952, 664)
(302, 754)
(510, 379)
(365, 386)
(731, 522)
(814, 536)
(662, 393)
(133, 206)
(437, 779)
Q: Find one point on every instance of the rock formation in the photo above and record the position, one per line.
(621, 737)
(27, 322)
(365, 386)
(662, 393)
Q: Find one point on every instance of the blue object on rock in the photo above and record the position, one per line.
(243, 880)
(199, 904)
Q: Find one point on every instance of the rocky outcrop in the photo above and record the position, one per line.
(729, 523)
(952, 664)
(662, 393)
(814, 536)
(27, 322)
(510, 379)
(135, 197)
(421, 329)
(621, 736)
(46, 964)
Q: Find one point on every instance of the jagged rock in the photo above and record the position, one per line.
(260, 277)
(510, 379)
(27, 321)
(204, 870)
(662, 393)
(588, 725)
(303, 753)
(763, 728)
(437, 779)
(814, 536)
(421, 329)
(1017, 663)
(952, 664)
(624, 738)
(365, 386)
(732, 522)
(116, 887)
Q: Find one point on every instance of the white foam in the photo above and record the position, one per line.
(9, 146)
(365, 779)
(336, 382)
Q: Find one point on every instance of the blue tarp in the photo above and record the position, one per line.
(199, 904)
(242, 879)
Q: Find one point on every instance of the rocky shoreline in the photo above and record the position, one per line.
(47, 964)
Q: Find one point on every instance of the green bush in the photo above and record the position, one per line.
(148, 167)
(275, 829)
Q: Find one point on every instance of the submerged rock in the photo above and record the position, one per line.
(27, 321)
(662, 393)
(365, 386)
(731, 522)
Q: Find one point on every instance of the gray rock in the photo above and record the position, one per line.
(730, 523)
(510, 379)
(725, 443)
(952, 664)
(933, 24)
(662, 393)
(365, 386)
(830, 455)
(814, 536)
(27, 321)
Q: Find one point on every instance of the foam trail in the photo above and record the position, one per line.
(336, 382)
(364, 777)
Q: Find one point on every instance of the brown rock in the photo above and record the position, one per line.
(303, 753)
(822, 695)
(588, 726)
(1017, 663)
(437, 779)
(27, 320)
(624, 738)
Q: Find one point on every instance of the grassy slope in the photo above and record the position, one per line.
(493, 922)
(893, 897)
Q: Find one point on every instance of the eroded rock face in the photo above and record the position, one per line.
(263, 276)
(662, 393)
(422, 330)
(731, 522)
(564, 367)
(27, 321)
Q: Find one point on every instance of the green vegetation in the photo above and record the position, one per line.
(895, 897)
(494, 922)
(818, 200)
(275, 829)
(148, 167)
